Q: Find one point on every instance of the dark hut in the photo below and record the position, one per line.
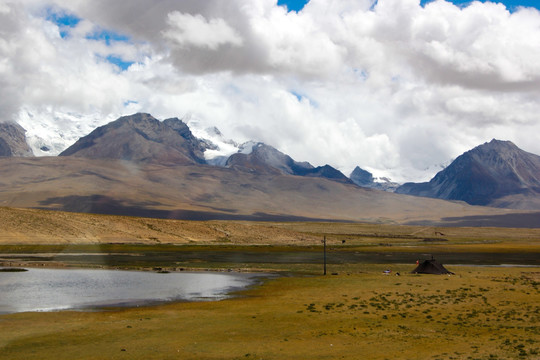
(431, 267)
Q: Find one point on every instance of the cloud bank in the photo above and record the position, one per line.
(392, 86)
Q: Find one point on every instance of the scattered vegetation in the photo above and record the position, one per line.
(480, 313)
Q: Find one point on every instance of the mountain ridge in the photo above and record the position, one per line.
(496, 173)
(140, 137)
(267, 159)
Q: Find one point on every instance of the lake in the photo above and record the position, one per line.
(86, 289)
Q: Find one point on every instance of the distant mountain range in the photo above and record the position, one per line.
(495, 174)
(141, 137)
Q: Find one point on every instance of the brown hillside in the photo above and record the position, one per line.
(201, 192)
(31, 226)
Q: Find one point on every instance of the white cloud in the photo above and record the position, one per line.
(195, 30)
(396, 87)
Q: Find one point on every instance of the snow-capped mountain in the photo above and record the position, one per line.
(218, 148)
(50, 132)
(364, 178)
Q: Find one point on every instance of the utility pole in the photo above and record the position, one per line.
(324, 249)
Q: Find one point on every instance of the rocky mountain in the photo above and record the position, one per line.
(265, 159)
(364, 178)
(361, 177)
(141, 137)
(497, 174)
(13, 140)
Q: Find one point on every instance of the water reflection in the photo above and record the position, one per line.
(52, 289)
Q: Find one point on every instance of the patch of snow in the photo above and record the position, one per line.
(219, 148)
(49, 132)
(247, 147)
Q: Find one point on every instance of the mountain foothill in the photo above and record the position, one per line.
(138, 165)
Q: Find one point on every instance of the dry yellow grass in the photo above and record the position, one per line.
(30, 226)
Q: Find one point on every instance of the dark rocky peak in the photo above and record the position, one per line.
(180, 127)
(496, 152)
(327, 172)
(262, 158)
(482, 175)
(361, 177)
(140, 137)
(279, 160)
(501, 161)
(364, 178)
(198, 146)
(13, 140)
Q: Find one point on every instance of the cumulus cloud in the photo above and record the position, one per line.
(391, 86)
(189, 30)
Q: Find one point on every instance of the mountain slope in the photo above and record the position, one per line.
(203, 192)
(140, 137)
(265, 159)
(497, 173)
(13, 140)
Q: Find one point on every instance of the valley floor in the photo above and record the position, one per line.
(479, 313)
(356, 311)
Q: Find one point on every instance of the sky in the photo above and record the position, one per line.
(397, 87)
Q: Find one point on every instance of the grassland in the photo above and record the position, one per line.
(482, 312)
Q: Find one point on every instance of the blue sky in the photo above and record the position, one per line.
(297, 5)
(293, 5)
(510, 4)
(65, 21)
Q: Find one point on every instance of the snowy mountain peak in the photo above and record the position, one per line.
(247, 147)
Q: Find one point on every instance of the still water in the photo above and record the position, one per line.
(52, 289)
